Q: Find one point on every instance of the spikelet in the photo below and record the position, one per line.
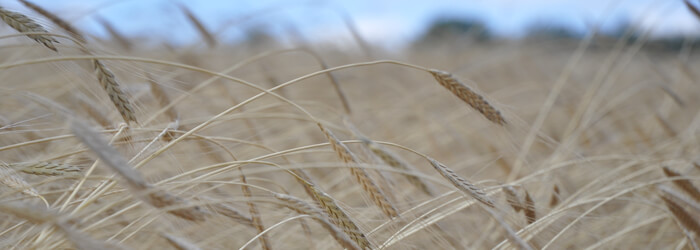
(530, 212)
(467, 95)
(461, 184)
(25, 24)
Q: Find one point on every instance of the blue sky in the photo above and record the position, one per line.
(383, 23)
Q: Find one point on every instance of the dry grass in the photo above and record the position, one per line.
(580, 147)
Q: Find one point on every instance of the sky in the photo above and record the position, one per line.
(385, 23)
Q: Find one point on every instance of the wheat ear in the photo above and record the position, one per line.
(9, 178)
(115, 92)
(56, 20)
(463, 185)
(468, 95)
(303, 207)
(337, 215)
(47, 168)
(24, 24)
(142, 189)
(360, 174)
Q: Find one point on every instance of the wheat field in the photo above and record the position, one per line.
(587, 143)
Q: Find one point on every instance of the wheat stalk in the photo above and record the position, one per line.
(25, 24)
(360, 174)
(114, 91)
(467, 95)
(56, 20)
(303, 207)
(145, 191)
(465, 186)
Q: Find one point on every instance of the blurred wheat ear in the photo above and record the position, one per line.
(24, 24)
(134, 181)
(56, 20)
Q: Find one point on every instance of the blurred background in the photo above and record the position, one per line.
(390, 24)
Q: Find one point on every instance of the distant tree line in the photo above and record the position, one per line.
(477, 31)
